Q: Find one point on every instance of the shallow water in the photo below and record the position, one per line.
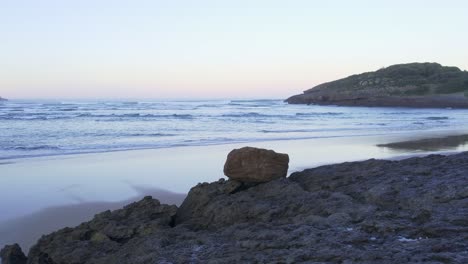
(39, 128)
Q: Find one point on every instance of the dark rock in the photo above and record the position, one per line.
(96, 241)
(12, 254)
(209, 205)
(3, 99)
(255, 165)
(405, 85)
(374, 211)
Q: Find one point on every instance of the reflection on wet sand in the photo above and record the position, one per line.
(28, 229)
(453, 142)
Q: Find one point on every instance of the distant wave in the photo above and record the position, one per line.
(437, 118)
(178, 116)
(251, 114)
(288, 131)
(307, 130)
(29, 148)
(67, 109)
(148, 135)
(253, 103)
(121, 103)
(32, 117)
(319, 114)
(412, 112)
(45, 116)
(12, 109)
(209, 106)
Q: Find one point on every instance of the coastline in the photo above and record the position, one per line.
(379, 139)
(368, 211)
(178, 169)
(113, 179)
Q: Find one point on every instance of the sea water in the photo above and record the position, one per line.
(30, 128)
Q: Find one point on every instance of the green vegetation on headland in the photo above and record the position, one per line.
(408, 85)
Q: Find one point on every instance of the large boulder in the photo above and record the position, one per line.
(12, 255)
(250, 164)
(221, 204)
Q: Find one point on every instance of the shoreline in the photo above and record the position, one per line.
(387, 139)
(152, 166)
(114, 178)
(11, 159)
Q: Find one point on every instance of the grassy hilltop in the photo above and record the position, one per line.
(413, 84)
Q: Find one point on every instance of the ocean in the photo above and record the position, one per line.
(32, 128)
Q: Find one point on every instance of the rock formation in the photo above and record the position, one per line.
(3, 99)
(406, 85)
(255, 165)
(13, 255)
(375, 211)
(103, 238)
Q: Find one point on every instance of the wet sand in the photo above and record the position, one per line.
(40, 195)
(448, 143)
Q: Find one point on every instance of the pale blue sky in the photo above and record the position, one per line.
(215, 49)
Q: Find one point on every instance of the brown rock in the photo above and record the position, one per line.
(250, 164)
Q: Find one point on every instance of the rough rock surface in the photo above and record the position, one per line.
(250, 164)
(375, 211)
(13, 255)
(103, 239)
(406, 85)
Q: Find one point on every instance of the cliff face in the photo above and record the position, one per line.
(408, 85)
(375, 211)
(3, 99)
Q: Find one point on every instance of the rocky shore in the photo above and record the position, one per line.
(374, 211)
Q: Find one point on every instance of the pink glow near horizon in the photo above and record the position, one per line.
(213, 49)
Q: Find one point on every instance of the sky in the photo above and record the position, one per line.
(215, 49)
